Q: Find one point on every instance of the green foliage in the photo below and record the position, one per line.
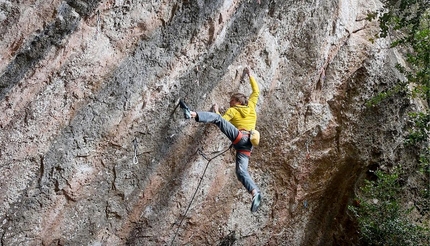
(411, 20)
(419, 137)
(403, 15)
(408, 23)
(399, 88)
(381, 217)
(419, 133)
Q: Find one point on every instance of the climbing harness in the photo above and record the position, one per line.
(198, 186)
(239, 136)
(135, 161)
(237, 140)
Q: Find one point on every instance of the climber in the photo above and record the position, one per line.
(236, 124)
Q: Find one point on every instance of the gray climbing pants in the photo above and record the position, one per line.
(231, 132)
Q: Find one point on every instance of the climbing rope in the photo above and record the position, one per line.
(135, 160)
(198, 186)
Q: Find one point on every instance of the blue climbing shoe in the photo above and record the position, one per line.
(184, 107)
(256, 201)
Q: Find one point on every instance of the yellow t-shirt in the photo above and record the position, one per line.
(245, 117)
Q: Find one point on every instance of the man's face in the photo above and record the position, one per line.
(233, 102)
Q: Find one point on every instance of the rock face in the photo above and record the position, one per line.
(93, 150)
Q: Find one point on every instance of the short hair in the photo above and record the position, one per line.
(239, 97)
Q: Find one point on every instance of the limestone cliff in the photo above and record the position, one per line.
(84, 85)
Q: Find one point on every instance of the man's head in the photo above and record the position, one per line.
(238, 99)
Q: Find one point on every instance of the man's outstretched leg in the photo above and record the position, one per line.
(226, 127)
(208, 117)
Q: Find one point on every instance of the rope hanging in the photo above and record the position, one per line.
(198, 186)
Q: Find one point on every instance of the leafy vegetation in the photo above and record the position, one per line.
(381, 215)
(399, 88)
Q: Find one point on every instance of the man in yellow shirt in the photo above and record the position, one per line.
(236, 124)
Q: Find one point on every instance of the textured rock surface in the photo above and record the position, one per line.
(80, 80)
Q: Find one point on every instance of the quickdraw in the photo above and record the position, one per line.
(135, 160)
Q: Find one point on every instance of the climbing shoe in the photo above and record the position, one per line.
(256, 200)
(184, 107)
